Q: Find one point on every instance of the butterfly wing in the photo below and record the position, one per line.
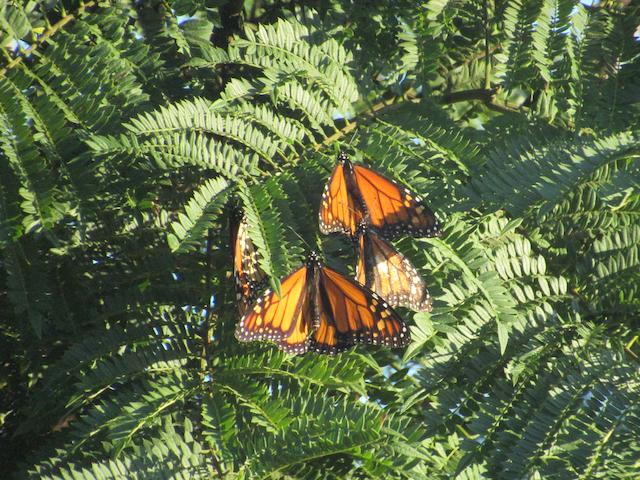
(339, 210)
(285, 320)
(392, 209)
(326, 337)
(351, 313)
(390, 274)
(298, 341)
(247, 275)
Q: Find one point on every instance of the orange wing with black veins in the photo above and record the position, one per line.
(350, 313)
(392, 209)
(390, 274)
(285, 320)
(247, 275)
(339, 210)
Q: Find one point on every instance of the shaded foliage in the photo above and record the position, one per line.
(126, 130)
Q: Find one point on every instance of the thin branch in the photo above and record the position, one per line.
(487, 55)
(231, 21)
(369, 113)
(477, 56)
(46, 35)
(502, 108)
(482, 94)
(207, 332)
(486, 96)
(209, 325)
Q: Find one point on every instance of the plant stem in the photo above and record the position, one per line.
(209, 325)
(46, 35)
(487, 55)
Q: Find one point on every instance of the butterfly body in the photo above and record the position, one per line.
(321, 310)
(389, 273)
(356, 193)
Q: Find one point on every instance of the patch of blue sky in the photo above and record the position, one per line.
(13, 45)
(586, 397)
(456, 410)
(21, 45)
(336, 115)
(166, 344)
(476, 123)
(413, 368)
(480, 439)
(185, 18)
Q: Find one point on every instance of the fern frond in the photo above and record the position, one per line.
(170, 152)
(564, 170)
(287, 90)
(121, 417)
(175, 450)
(198, 117)
(37, 188)
(323, 64)
(265, 411)
(200, 213)
(309, 370)
(124, 128)
(477, 281)
(267, 232)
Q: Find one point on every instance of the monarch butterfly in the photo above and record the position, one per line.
(387, 272)
(247, 275)
(321, 310)
(355, 193)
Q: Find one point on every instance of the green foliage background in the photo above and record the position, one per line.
(126, 127)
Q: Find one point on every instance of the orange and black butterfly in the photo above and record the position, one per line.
(389, 273)
(357, 193)
(249, 279)
(321, 310)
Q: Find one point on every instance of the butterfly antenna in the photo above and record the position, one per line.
(353, 137)
(309, 247)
